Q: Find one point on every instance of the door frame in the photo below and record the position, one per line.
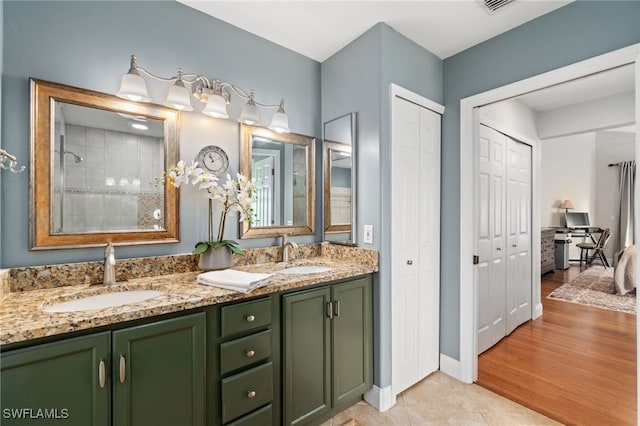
(468, 366)
(276, 199)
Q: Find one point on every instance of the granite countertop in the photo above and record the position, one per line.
(22, 317)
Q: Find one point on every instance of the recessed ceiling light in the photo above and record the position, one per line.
(139, 126)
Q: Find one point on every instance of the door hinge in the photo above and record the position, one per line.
(476, 259)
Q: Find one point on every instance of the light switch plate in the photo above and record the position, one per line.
(368, 234)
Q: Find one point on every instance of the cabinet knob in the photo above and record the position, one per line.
(409, 262)
(514, 245)
(251, 394)
(101, 374)
(498, 249)
(250, 318)
(250, 354)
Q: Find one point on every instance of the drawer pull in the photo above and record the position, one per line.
(251, 394)
(101, 374)
(123, 369)
(250, 354)
(250, 318)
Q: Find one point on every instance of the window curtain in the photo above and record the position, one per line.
(626, 227)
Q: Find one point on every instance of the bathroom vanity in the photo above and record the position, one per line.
(297, 351)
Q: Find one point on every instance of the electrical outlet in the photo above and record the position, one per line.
(368, 234)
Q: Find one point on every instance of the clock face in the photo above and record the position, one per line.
(213, 159)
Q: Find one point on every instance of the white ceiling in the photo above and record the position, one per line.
(318, 29)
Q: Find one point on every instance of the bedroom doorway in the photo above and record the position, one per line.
(468, 311)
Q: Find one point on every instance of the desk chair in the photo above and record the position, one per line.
(598, 248)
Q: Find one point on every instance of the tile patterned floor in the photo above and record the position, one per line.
(441, 400)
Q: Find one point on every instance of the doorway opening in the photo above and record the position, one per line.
(468, 300)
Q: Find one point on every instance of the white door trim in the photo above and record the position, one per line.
(627, 55)
(408, 95)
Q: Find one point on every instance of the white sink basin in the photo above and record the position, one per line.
(101, 301)
(308, 269)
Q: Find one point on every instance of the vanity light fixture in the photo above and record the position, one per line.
(215, 93)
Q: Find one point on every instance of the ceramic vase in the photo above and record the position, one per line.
(215, 258)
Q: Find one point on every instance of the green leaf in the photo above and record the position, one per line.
(236, 250)
(201, 247)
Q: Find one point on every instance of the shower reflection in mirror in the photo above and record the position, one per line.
(103, 164)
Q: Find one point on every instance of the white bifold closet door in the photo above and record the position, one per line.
(415, 242)
(503, 235)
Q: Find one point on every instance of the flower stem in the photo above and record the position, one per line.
(223, 218)
(210, 219)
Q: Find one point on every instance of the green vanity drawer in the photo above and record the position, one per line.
(245, 316)
(261, 417)
(245, 351)
(246, 391)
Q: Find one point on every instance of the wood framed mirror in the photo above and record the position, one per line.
(94, 157)
(283, 165)
(340, 189)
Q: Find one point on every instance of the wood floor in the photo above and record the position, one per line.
(575, 364)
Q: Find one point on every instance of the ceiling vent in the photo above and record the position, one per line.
(493, 5)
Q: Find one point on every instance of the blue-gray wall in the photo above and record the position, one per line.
(356, 79)
(87, 44)
(579, 31)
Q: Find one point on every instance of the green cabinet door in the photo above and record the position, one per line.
(66, 382)
(158, 373)
(352, 339)
(306, 353)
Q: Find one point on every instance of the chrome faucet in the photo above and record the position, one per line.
(286, 245)
(109, 265)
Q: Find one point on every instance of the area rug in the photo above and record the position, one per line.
(594, 287)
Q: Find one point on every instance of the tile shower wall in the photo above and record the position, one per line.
(112, 187)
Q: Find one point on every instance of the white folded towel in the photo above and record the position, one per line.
(231, 279)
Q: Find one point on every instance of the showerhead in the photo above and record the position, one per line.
(76, 157)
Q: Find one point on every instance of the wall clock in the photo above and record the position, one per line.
(212, 158)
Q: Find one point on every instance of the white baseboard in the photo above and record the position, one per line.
(450, 367)
(380, 398)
